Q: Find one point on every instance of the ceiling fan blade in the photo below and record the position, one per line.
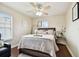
(36, 6)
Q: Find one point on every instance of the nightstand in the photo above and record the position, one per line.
(61, 40)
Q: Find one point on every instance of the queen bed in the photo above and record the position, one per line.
(39, 44)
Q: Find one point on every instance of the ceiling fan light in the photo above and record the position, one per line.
(39, 13)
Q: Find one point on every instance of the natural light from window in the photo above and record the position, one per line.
(5, 26)
(43, 24)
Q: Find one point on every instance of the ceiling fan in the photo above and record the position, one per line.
(40, 8)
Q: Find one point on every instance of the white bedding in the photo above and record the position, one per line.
(45, 43)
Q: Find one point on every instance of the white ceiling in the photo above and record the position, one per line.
(57, 8)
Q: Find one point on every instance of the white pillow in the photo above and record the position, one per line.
(39, 31)
(50, 32)
(44, 32)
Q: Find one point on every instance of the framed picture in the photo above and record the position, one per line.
(75, 12)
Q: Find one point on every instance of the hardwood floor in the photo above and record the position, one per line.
(63, 51)
(14, 52)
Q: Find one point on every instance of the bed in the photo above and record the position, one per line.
(39, 44)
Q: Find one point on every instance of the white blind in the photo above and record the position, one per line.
(43, 24)
(5, 27)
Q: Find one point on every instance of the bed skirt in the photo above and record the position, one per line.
(33, 53)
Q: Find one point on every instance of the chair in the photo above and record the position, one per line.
(0, 36)
(5, 51)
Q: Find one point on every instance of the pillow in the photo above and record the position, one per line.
(39, 31)
(1, 43)
(50, 32)
(42, 32)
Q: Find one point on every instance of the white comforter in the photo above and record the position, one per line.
(45, 43)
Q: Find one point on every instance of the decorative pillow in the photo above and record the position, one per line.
(50, 32)
(39, 31)
(1, 43)
(42, 32)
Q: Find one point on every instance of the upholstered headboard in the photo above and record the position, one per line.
(46, 30)
(54, 29)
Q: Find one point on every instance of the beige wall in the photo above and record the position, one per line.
(72, 33)
(21, 24)
(53, 21)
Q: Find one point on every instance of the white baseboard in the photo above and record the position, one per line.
(13, 46)
(70, 51)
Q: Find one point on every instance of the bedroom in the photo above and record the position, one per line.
(24, 19)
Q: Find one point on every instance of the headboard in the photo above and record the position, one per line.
(47, 29)
(54, 29)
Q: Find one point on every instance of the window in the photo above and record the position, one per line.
(5, 26)
(43, 24)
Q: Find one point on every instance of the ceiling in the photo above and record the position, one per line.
(56, 8)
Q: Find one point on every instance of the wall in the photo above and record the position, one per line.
(53, 21)
(72, 33)
(21, 24)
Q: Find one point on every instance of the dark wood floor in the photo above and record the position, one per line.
(63, 51)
